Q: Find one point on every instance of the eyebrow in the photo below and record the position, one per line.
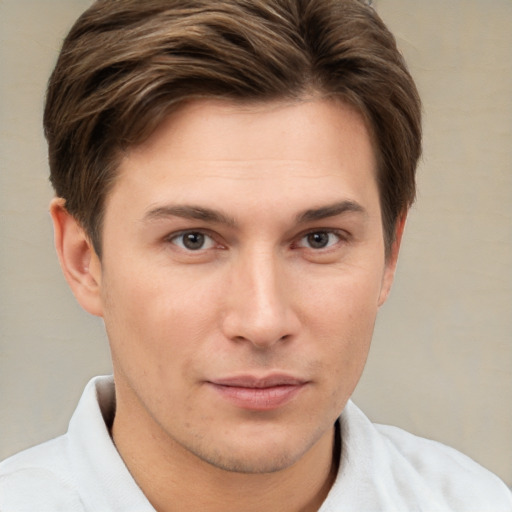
(217, 217)
(189, 212)
(331, 210)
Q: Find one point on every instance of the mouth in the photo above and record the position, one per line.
(258, 393)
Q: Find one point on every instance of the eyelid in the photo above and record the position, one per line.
(170, 238)
(342, 235)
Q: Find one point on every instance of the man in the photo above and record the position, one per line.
(232, 180)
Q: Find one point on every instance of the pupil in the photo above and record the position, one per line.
(193, 240)
(318, 240)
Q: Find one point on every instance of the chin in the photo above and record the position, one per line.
(251, 463)
(256, 455)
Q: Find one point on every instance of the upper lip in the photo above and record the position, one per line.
(251, 381)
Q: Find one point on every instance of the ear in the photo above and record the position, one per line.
(391, 260)
(78, 259)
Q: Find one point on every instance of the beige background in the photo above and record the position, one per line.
(441, 363)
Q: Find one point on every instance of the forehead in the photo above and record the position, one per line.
(247, 150)
(214, 129)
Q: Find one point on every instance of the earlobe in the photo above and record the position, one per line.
(392, 259)
(78, 259)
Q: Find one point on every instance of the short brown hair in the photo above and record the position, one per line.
(126, 64)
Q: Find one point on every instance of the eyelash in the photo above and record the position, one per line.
(340, 235)
(175, 236)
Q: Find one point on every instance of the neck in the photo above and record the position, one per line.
(173, 479)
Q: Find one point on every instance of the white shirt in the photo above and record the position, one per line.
(382, 469)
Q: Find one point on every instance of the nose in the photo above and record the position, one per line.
(259, 301)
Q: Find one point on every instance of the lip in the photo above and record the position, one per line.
(258, 393)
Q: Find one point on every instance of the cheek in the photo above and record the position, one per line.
(347, 342)
(341, 321)
(152, 322)
(344, 301)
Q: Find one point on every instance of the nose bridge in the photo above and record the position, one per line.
(259, 310)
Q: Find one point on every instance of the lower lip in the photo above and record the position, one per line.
(259, 399)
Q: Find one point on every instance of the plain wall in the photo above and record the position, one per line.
(441, 362)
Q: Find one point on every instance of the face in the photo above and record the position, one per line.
(243, 266)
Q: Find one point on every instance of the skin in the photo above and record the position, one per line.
(281, 273)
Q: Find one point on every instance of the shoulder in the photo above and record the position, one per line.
(387, 469)
(460, 482)
(39, 479)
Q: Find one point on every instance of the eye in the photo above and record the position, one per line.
(319, 240)
(193, 241)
